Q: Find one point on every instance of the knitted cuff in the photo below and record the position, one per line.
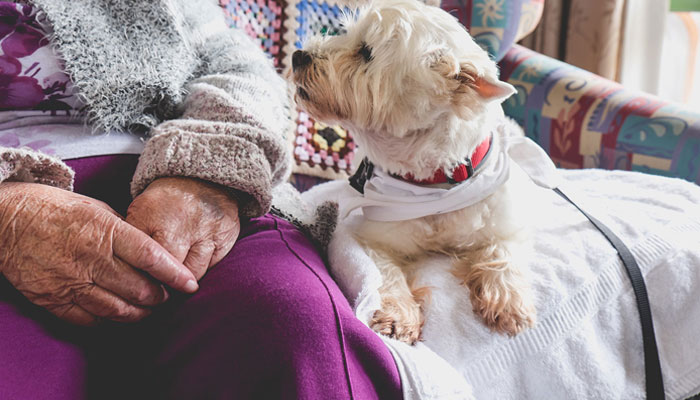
(224, 159)
(25, 165)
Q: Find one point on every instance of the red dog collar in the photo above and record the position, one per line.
(461, 172)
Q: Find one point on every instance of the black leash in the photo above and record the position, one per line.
(654, 379)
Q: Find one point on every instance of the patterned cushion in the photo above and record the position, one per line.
(261, 20)
(497, 24)
(319, 150)
(280, 27)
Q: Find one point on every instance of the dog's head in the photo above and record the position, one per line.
(400, 77)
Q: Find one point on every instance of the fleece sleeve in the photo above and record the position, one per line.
(233, 127)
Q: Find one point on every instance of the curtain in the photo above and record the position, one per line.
(679, 70)
(584, 33)
(644, 37)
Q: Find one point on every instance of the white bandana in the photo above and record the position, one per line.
(390, 199)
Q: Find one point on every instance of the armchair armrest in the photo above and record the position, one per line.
(585, 121)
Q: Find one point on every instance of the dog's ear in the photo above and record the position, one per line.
(488, 87)
(469, 87)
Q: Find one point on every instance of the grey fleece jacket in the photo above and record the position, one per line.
(211, 100)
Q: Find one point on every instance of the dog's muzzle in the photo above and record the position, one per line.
(300, 59)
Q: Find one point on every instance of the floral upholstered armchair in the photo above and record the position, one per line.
(580, 119)
(583, 120)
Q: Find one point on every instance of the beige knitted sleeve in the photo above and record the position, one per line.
(233, 128)
(24, 165)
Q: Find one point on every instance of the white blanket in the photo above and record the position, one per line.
(587, 342)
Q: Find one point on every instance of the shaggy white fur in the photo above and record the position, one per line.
(420, 95)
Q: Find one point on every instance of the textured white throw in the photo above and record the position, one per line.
(587, 340)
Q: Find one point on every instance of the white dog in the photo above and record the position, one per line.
(423, 102)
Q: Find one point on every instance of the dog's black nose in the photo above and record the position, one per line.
(300, 59)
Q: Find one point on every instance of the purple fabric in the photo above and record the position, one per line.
(105, 178)
(267, 322)
(272, 324)
(39, 359)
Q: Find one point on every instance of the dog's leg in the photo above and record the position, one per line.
(499, 291)
(401, 313)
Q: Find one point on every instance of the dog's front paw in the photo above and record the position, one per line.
(389, 323)
(399, 320)
(504, 311)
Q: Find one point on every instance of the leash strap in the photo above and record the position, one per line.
(654, 378)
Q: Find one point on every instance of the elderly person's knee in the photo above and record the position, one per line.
(271, 301)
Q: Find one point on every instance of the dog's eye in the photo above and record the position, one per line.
(365, 52)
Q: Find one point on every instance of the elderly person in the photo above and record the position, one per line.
(160, 101)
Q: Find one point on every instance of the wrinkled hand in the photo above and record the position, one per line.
(196, 221)
(76, 257)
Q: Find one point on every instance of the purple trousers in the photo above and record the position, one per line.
(268, 322)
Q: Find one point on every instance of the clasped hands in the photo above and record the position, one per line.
(79, 259)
